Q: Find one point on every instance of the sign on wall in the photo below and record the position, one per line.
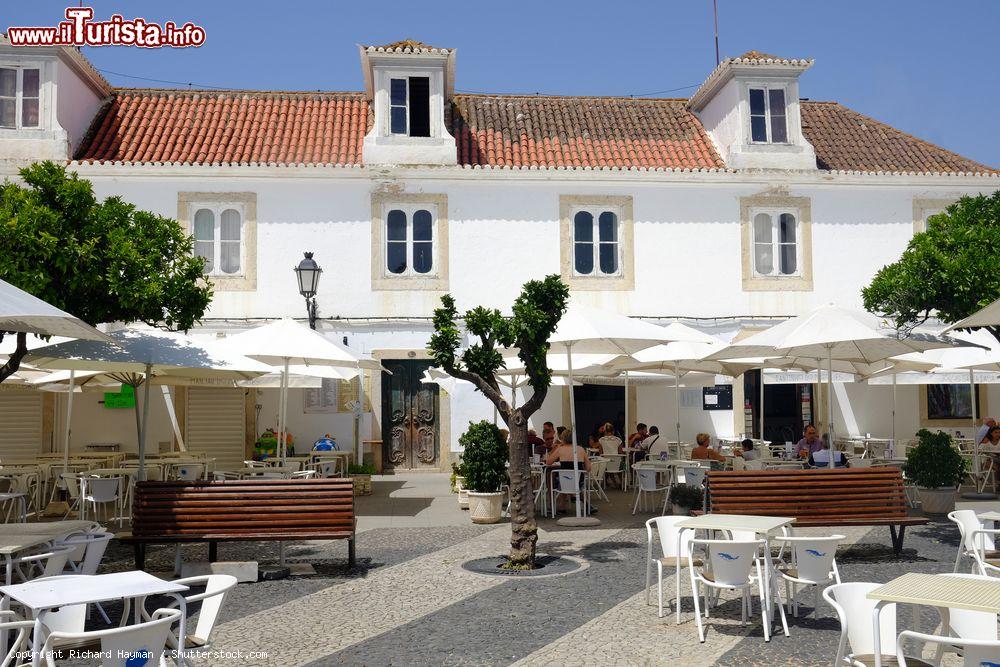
(125, 398)
(719, 397)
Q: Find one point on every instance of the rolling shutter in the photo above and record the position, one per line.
(216, 425)
(20, 424)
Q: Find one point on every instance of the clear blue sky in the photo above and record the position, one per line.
(928, 67)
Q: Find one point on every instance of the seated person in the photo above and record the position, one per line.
(703, 452)
(634, 439)
(537, 444)
(608, 441)
(821, 458)
(651, 439)
(810, 442)
(562, 455)
(748, 453)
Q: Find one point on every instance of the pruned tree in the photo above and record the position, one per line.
(948, 271)
(102, 261)
(535, 315)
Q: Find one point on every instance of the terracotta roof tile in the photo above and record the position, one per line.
(239, 127)
(537, 131)
(244, 127)
(846, 140)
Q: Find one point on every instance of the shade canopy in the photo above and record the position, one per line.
(596, 331)
(987, 317)
(980, 350)
(287, 341)
(20, 311)
(683, 357)
(133, 351)
(831, 331)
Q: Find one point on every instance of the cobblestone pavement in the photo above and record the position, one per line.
(408, 601)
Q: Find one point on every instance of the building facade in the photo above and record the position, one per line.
(729, 211)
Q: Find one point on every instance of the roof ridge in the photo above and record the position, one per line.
(229, 91)
(548, 96)
(912, 137)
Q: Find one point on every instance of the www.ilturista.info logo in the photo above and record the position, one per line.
(81, 30)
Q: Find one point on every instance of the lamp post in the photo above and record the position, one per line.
(307, 273)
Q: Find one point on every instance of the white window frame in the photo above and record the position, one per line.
(409, 209)
(431, 91)
(595, 212)
(217, 208)
(775, 214)
(767, 114)
(19, 96)
(406, 106)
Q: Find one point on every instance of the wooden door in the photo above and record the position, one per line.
(409, 415)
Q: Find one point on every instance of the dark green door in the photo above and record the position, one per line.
(409, 415)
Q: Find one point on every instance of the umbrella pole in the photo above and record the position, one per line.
(894, 414)
(975, 417)
(572, 426)
(282, 413)
(361, 417)
(145, 423)
(625, 428)
(677, 406)
(762, 405)
(829, 402)
(69, 419)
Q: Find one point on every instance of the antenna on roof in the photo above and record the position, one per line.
(715, 8)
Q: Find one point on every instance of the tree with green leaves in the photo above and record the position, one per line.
(535, 315)
(948, 271)
(102, 261)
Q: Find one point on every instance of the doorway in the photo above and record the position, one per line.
(788, 408)
(596, 404)
(409, 416)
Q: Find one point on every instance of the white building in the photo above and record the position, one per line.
(739, 206)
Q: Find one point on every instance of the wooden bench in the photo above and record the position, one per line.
(253, 510)
(839, 497)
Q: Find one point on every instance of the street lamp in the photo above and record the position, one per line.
(307, 273)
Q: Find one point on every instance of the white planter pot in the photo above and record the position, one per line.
(937, 501)
(463, 493)
(485, 507)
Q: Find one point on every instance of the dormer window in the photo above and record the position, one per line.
(20, 97)
(410, 106)
(767, 116)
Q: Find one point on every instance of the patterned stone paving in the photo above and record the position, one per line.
(409, 602)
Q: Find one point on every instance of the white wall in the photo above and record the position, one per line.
(77, 104)
(92, 422)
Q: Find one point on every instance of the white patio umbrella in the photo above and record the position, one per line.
(985, 317)
(134, 356)
(285, 343)
(593, 331)
(22, 312)
(832, 332)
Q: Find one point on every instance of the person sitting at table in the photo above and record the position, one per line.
(747, 453)
(703, 452)
(637, 437)
(992, 437)
(810, 442)
(609, 443)
(549, 435)
(537, 444)
(984, 430)
(562, 455)
(647, 445)
(821, 458)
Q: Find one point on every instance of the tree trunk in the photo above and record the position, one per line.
(14, 360)
(523, 529)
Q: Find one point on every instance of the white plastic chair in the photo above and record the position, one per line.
(595, 480)
(48, 563)
(610, 444)
(739, 463)
(98, 492)
(70, 482)
(647, 485)
(757, 464)
(967, 625)
(330, 468)
(189, 472)
(616, 466)
(217, 587)
(976, 652)
(18, 643)
(695, 475)
(569, 485)
(731, 565)
(142, 640)
(813, 563)
(303, 474)
(86, 556)
(855, 610)
(974, 538)
(668, 534)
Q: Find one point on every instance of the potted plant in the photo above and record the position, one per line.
(485, 464)
(685, 498)
(362, 476)
(937, 469)
(458, 484)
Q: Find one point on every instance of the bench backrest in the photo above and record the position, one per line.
(817, 495)
(243, 507)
